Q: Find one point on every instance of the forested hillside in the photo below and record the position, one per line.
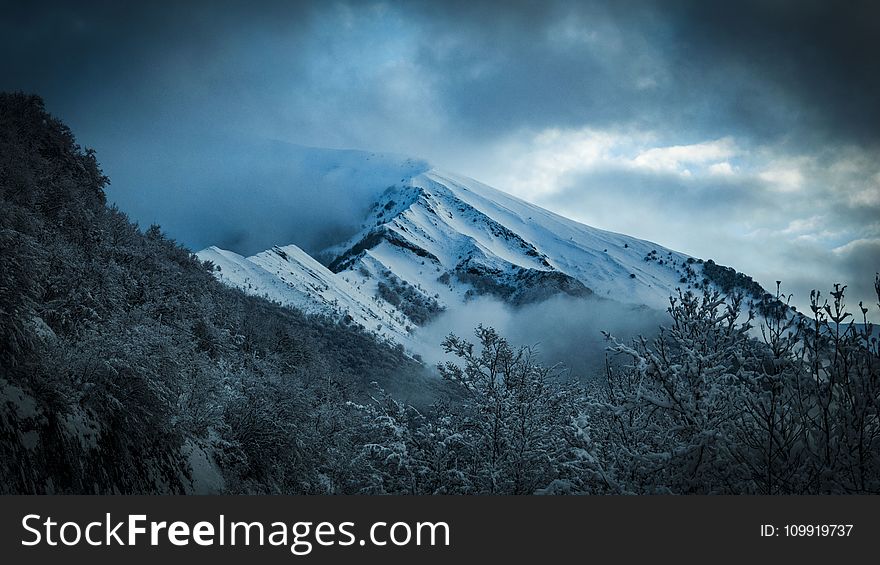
(126, 367)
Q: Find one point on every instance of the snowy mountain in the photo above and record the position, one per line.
(434, 241)
(453, 237)
(290, 276)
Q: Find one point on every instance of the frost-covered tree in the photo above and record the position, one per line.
(838, 398)
(667, 413)
(506, 433)
(713, 405)
(127, 367)
(514, 414)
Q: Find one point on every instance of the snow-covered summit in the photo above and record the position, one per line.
(453, 237)
(434, 241)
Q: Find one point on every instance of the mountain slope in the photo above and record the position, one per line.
(289, 276)
(126, 367)
(434, 241)
(487, 242)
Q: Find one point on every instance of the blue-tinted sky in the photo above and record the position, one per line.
(748, 132)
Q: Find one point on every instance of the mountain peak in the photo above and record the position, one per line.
(493, 243)
(433, 241)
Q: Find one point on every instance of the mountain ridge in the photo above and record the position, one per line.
(435, 241)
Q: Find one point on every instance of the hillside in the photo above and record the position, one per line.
(127, 368)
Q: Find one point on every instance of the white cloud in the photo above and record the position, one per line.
(868, 196)
(680, 159)
(856, 245)
(784, 178)
(723, 168)
(800, 225)
(535, 164)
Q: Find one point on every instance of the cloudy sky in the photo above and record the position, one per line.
(747, 132)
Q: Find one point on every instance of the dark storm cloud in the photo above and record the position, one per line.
(759, 67)
(821, 55)
(762, 68)
(142, 60)
(67, 44)
(547, 64)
